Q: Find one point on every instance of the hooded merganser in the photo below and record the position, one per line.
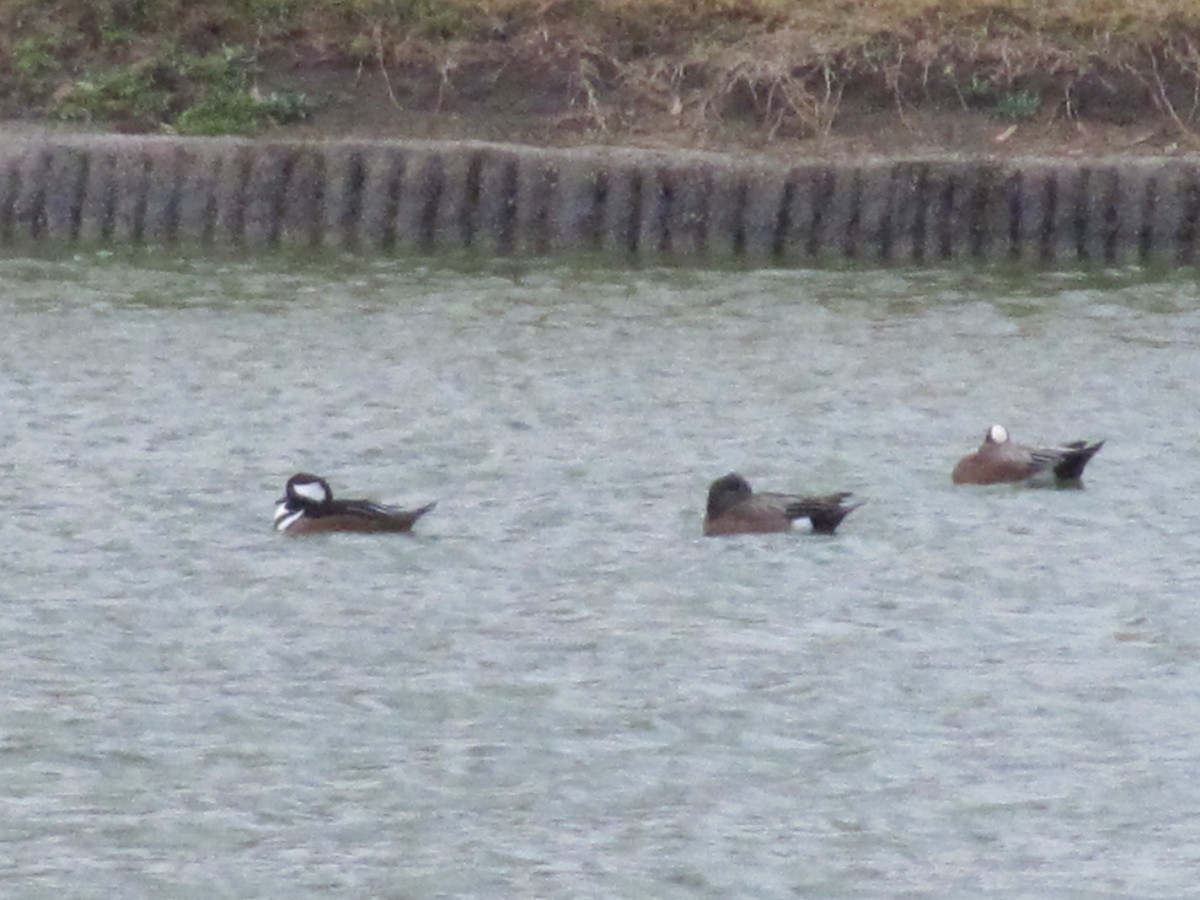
(999, 459)
(308, 507)
(733, 508)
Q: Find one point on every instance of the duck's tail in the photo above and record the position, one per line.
(1073, 458)
(825, 513)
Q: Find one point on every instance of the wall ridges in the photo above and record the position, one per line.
(631, 205)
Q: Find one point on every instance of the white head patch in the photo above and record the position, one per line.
(311, 490)
(998, 434)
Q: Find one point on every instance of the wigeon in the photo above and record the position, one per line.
(733, 508)
(999, 459)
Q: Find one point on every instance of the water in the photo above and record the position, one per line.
(557, 688)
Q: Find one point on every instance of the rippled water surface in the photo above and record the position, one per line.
(557, 688)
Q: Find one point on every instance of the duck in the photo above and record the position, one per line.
(1001, 460)
(308, 507)
(734, 508)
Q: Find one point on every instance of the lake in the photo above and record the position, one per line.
(556, 687)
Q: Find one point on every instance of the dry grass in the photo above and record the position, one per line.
(784, 66)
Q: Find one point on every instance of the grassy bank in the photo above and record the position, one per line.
(784, 68)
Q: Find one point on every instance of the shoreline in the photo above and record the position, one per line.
(814, 80)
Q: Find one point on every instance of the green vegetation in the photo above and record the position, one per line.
(783, 65)
(1011, 103)
(189, 94)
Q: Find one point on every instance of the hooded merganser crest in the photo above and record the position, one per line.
(308, 507)
(1000, 460)
(733, 508)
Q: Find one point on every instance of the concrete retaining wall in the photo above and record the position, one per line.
(385, 197)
